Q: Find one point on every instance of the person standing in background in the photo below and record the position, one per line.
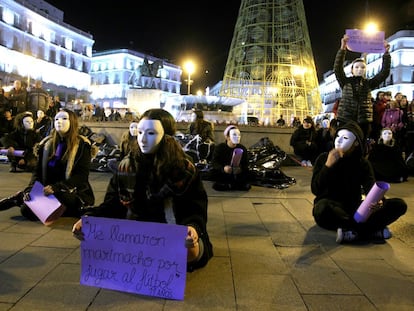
(18, 98)
(37, 98)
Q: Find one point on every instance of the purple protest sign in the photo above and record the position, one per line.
(374, 195)
(16, 153)
(132, 256)
(46, 207)
(365, 41)
(237, 155)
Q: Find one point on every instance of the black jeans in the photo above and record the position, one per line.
(331, 215)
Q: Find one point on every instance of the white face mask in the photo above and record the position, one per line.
(325, 123)
(359, 69)
(235, 136)
(150, 133)
(133, 129)
(386, 136)
(62, 123)
(28, 123)
(344, 140)
(40, 114)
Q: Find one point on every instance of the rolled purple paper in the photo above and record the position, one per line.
(374, 195)
(16, 153)
(237, 154)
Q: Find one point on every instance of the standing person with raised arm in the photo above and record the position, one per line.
(356, 103)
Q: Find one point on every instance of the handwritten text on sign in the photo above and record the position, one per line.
(132, 256)
(365, 42)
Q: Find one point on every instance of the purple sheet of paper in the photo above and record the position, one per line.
(374, 195)
(237, 155)
(132, 256)
(16, 153)
(46, 208)
(365, 42)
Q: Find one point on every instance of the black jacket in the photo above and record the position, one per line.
(75, 175)
(148, 199)
(342, 182)
(355, 103)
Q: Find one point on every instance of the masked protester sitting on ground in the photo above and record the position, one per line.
(387, 160)
(230, 163)
(304, 142)
(127, 144)
(63, 169)
(159, 183)
(23, 138)
(338, 176)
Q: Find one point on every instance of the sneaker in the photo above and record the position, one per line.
(304, 163)
(308, 163)
(382, 234)
(343, 236)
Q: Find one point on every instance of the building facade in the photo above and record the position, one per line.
(114, 74)
(35, 43)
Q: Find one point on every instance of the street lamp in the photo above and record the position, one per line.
(189, 67)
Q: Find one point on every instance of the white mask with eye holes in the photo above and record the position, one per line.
(344, 140)
(62, 123)
(386, 136)
(150, 134)
(28, 123)
(133, 129)
(235, 136)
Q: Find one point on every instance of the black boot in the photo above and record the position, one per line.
(9, 202)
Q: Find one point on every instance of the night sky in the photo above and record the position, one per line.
(203, 30)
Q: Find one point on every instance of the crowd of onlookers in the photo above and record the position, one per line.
(392, 126)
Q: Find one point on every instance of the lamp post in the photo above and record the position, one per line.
(189, 67)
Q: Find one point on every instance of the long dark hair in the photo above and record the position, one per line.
(71, 137)
(169, 155)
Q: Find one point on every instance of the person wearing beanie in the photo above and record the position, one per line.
(230, 164)
(304, 141)
(355, 103)
(337, 179)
